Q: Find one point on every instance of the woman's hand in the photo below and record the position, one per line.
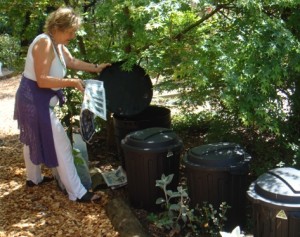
(79, 84)
(100, 67)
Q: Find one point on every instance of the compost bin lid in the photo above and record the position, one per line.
(223, 154)
(127, 92)
(151, 138)
(279, 185)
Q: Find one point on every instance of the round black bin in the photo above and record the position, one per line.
(217, 173)
(275, 198)
(149, 153)
(152, 116)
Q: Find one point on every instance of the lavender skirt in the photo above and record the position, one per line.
(32, 114)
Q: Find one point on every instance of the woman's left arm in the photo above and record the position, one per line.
(76, 64)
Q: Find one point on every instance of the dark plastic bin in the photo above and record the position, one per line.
(153, 116)
(217, 173)
(275, 198)
(149, 153)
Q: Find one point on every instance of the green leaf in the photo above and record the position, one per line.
(160, 201)
(174, 207)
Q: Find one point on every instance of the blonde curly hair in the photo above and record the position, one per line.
(62, 19)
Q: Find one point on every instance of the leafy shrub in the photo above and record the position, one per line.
(10, 52)
(178, 217)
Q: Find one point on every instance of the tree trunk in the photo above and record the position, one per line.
(129, 30)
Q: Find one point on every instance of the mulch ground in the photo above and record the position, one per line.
(43, 210)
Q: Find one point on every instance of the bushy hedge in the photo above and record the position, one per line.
(10, 49)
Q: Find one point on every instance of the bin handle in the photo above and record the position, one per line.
(170, 153)
(156, 133)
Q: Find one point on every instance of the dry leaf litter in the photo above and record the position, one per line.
(43, 210)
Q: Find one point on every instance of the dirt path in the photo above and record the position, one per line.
(7, 99)
(38, 211)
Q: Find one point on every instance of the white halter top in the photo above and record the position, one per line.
(57, 69)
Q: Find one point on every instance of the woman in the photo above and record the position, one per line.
(44, 138)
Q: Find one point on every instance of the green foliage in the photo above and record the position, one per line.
(69, 113)
(176, 212)
(178, 217)
(25, 18)
(184, 122)
(9, 51)
(78, 160)
(210, 219)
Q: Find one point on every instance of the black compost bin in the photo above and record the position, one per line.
(149, 153)
(127, 92)
(217, 173)
(152, 116)
(275, 198)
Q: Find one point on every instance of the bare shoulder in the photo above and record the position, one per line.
(43, 46)
(43, 43)
(65, 49)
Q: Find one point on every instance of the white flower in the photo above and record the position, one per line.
(235, 233)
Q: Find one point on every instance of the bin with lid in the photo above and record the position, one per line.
(152, 116)
(217, 173)
(128, 97)
(149, 153)
(275, 198)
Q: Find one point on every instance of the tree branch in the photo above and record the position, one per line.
(180, 35)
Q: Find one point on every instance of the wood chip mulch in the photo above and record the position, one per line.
(43, 210)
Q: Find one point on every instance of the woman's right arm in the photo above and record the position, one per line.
(43, 56)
